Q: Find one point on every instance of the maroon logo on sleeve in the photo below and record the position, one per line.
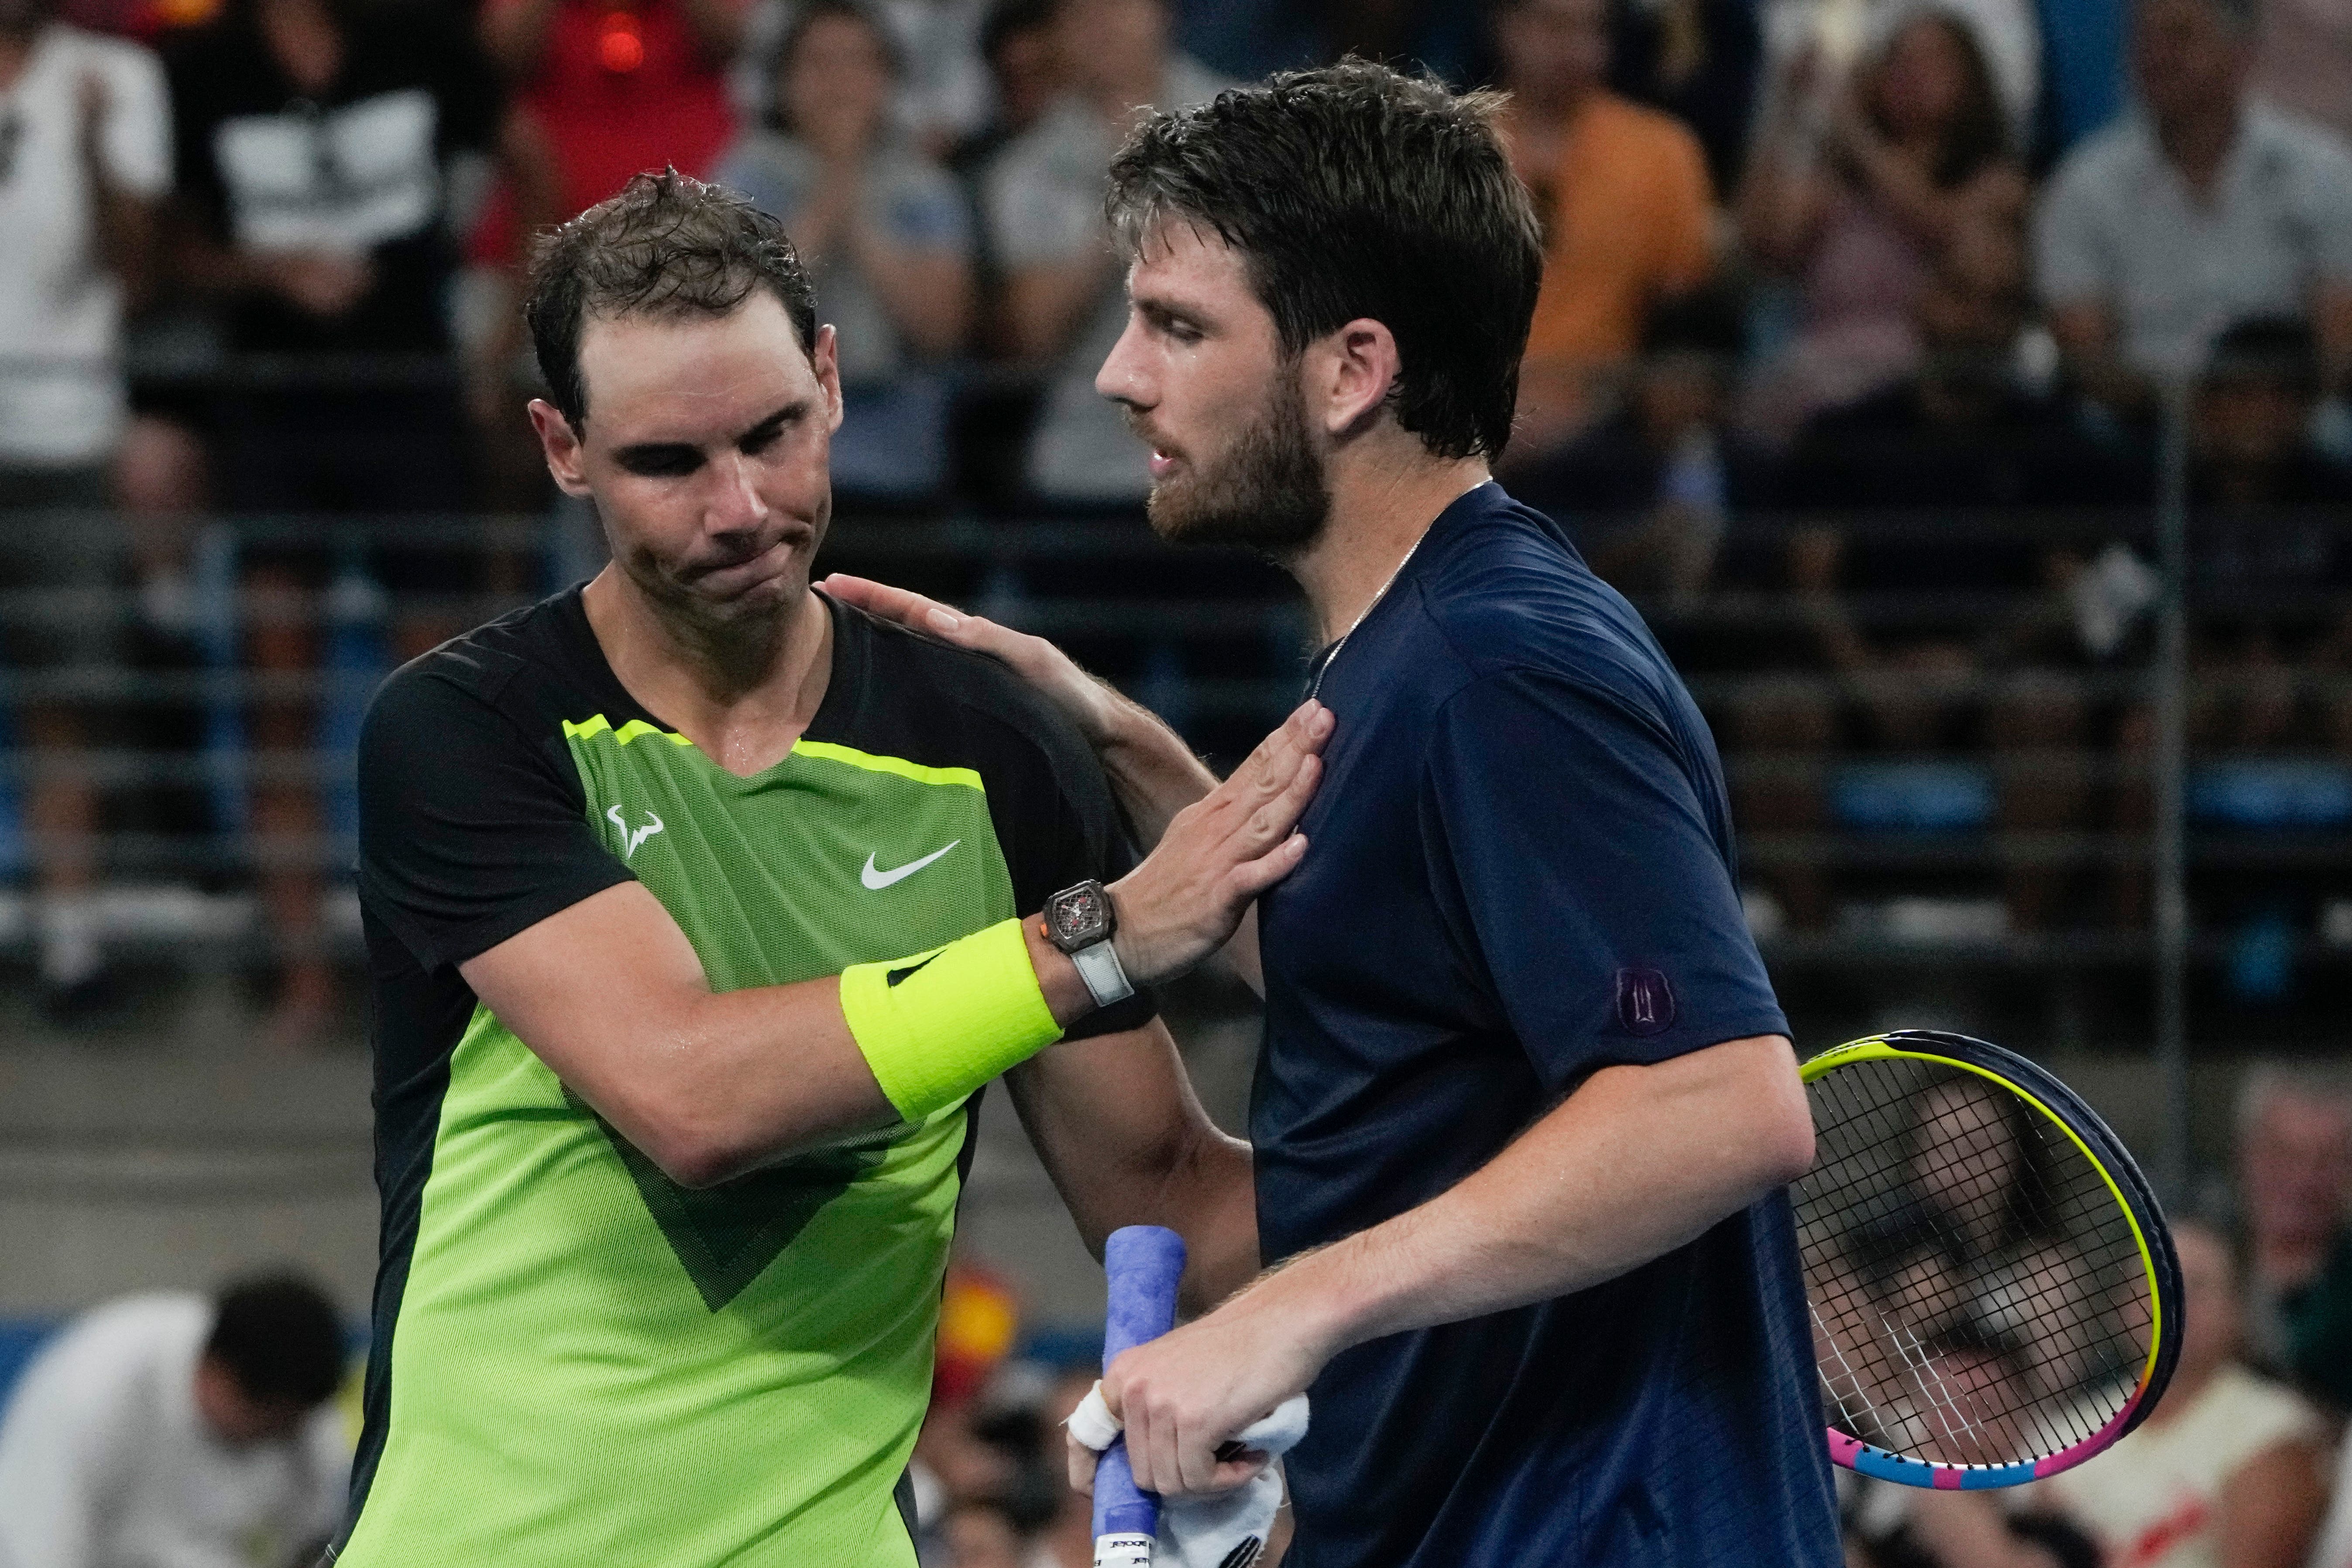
(1646, 1003)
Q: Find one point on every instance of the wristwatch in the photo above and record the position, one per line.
(1081, 921)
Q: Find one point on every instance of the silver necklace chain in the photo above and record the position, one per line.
(1361, 616)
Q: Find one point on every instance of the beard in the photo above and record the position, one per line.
(1269, 494)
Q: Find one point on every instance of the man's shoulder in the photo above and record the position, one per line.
(523, 662)
(1510, 596)
(86, 51)
(122, 1338)
(1639, 130)
(2088, 176)
(2317, 152)
(956, 706)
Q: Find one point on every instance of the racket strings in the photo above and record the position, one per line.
(1976, 1289)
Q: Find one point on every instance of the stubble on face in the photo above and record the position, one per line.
(1268, 493)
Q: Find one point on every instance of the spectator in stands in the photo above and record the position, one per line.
(982, 1535)
(2267, 544)
(2227, 1468)
(1622, 195)
(883, 233)
(1960, 434)
(1650, 488)
(315, 151)
(2294, 1164)
(1025, 74)
(2199, 209)
(1698, 60)
(944, 94)
(1854, 201)
(616, 88)
(2269, 560)
(84, 155)
(1063, 304)
(175, 1429)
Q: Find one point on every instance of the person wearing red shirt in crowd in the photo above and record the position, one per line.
(619, 86)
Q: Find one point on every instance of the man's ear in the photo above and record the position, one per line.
(560, 445)
(824, 359)
(1349, 375)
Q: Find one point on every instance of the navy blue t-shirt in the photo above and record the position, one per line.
(1520, 874)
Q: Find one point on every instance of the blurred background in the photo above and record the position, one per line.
(1962, 389)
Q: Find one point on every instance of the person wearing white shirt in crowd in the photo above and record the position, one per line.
(2202, 207)
(1041, 203)
(84, 155)
(175, 1431)
(2226, 1472)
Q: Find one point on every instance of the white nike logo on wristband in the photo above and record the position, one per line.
(877, 880)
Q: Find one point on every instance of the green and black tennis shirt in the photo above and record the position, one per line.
(576, 1360)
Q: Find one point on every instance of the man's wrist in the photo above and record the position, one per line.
(1316, 1298)
(1059, 980)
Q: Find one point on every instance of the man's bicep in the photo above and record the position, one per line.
(1585, 877)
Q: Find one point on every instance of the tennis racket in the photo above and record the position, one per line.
(1994, 1293)
(1144, 1262)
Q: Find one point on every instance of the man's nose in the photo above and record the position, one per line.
(1122, 378)
(735, 504)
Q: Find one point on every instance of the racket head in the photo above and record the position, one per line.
(1993, 1286)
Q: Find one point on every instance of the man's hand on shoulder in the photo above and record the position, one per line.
(1153, 773)
(1088, 704)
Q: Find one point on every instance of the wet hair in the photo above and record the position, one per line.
(669, 247)
(280, 1339)
(1356, 192)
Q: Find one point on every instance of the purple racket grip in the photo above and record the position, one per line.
(1144, 1262)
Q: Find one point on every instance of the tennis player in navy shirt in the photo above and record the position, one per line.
(1526, 1103)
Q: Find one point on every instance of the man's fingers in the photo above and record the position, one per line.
(1081, 1462)
(903, 605)
(1251, 878)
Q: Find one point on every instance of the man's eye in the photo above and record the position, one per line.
(765, 437)
(662, 465)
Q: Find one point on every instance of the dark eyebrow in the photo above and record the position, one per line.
(769, 427)
(645, 452)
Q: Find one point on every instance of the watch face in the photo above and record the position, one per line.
(1080, 916)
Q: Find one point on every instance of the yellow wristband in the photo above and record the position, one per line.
(939, 1025)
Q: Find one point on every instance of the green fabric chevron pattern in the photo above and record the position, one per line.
(792, 1312)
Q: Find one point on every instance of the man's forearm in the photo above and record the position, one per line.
(1151, 771)
(1636, 1162)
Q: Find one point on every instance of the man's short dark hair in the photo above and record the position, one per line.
(1355, 192)
(667, 246)
(280, 1339)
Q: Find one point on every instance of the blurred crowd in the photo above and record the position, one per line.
(1812, 266)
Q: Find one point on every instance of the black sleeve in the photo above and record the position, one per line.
(1059, 826)
(469, 833)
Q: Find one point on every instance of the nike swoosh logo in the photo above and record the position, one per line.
(877, 880)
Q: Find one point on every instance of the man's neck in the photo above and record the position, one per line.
(743, 695)
(2199, 144)
(1383, 501)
